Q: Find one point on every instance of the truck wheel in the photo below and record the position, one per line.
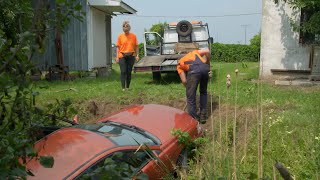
(156, 76)
(184, 28)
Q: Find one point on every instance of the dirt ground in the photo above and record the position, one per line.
(96, 109)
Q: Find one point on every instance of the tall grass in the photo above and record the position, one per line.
(290, 130)
(234, 137)
(271, 123)
(220, 120)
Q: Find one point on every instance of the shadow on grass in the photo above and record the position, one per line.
(166, 79)
(114, 75)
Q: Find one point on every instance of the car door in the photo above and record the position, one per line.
(123, 164)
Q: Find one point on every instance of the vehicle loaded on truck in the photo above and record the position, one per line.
(162, 53)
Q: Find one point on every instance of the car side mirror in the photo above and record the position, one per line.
(210, 40)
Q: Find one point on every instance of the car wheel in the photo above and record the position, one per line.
(182, 162)
(184, 28)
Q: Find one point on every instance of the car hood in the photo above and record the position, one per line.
(159, 120)
(70, 148)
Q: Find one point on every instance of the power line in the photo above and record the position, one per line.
(212, 16)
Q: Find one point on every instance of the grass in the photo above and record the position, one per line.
(291, 118)
(106, 92)
(106, 88)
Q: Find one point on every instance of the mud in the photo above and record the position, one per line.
(218, 120)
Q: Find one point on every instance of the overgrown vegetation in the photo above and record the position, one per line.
(312, 23)
(185, 140)
(287, 125)
(290, 118)
(290, 126)
(23, 29)
(230, 52)
(234, 52)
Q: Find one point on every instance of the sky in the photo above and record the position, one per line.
(229, 20)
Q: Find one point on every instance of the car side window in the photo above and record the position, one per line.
(119, 165)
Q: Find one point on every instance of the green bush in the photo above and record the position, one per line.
(228, 52)
(234, 53)
(141, 50)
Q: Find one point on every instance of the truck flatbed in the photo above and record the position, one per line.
(157, 63)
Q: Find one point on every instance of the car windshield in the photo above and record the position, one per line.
(121, 134)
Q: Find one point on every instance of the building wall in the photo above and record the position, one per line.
(97, 39)
(280, 48)
(86, 44)
(109, 42)
(74, 45)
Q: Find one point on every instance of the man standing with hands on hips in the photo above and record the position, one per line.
(127, 53)
(194, 70)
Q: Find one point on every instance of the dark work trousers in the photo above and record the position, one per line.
(197, 75)
(126, 64)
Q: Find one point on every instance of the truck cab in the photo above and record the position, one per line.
(162, 53)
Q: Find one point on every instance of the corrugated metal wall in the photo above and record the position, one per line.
(74, 45)
(75, 42)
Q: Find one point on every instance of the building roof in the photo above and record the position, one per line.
(112, 6)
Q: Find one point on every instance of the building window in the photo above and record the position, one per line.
(305, 36)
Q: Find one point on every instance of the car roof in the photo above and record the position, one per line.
(156, 119)
(70, 148)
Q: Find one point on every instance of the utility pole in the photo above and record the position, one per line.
(217, 39)
(245, 32)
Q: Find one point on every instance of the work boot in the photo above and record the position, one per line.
(203, 117)
(196, 117)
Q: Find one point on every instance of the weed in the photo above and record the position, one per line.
(290, 118)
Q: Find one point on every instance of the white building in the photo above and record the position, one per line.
(285, 52)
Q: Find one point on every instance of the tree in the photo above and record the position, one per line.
(158, 28)
(255, 42)
(153, 39)
(23, 29)
(311, 23)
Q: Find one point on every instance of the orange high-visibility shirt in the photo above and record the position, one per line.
(126, 43)
(191, 56)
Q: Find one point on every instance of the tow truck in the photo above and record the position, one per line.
(162, 53)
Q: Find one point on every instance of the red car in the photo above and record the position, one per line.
(135, 141)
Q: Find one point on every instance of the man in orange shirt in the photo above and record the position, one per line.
(193, 69)
(127, 53)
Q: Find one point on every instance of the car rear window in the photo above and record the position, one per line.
(120, 135)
